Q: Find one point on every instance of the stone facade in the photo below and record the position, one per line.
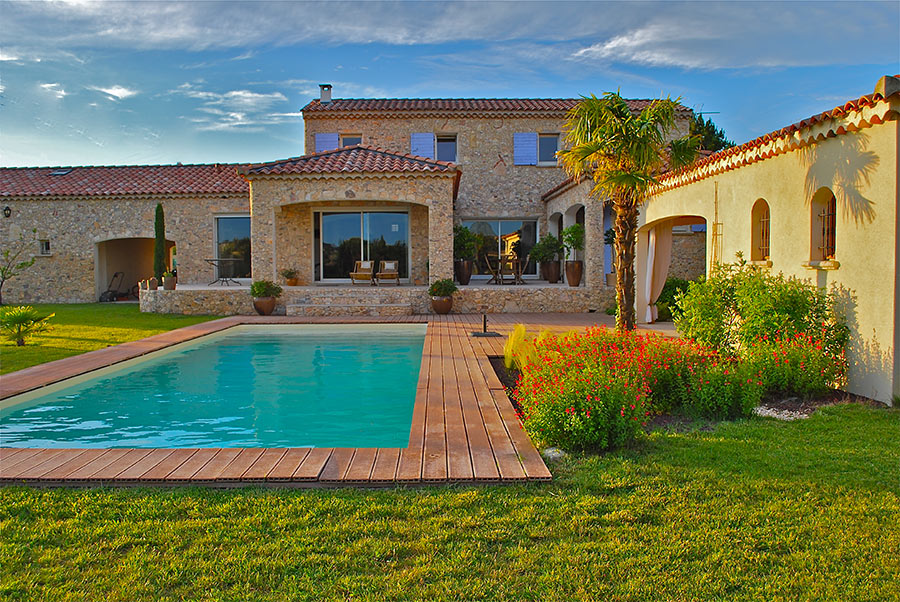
(283, 206)
(688, 255)
(383, 300)
(76, 226)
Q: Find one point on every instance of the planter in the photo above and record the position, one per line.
(264, 306)
(291, 281)
(550, 271)
(441, 305)
(463, 269)
(152, 284)
(169, 283)
(574, 270)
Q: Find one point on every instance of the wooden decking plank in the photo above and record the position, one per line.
(162, 469)
(337, 465)
(65, 469)
(126, 460)
(532, 463)
(192, 465)
(360, 468)
(386, 465)
(459, 460)
(285, 468)
(39, 464)
(508, 464)
(213, 469)
(434, 458)
(264, 464)
(484, 466)
(96, 464)
(312, 465)
(409, 466)
(146, 463)
(244, 460)
(10, 460)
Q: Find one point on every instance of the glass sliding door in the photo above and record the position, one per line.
(502, 237)
(233, 246)
(344, 237)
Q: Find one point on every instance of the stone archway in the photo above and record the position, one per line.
(133, 256)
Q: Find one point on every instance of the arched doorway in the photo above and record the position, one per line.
(131, 256)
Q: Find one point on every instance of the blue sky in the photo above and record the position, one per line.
(102, 83)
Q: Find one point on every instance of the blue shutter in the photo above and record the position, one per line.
(326, 142)
(422, 144)
(525, 148)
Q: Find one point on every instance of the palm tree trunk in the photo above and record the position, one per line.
(626, 231)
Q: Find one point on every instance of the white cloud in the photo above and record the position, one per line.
(55, 88)
(115, 92)
(8, 57)
(234, 110)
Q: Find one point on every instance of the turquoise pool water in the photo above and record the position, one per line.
(250, 386)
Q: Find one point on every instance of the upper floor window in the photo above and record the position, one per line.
(445, 147)
(548, 144)
(44, 247)
(759, 215)
(351, 139)
(823, 217)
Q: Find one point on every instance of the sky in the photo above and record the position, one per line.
(121, 83)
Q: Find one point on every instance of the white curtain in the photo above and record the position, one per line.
(659, 256)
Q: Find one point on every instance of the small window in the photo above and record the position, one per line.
(548, 144)
(759, 215)
(44, 247)
(61, 172)
(823, 225)
(446, 148)
(351, 139)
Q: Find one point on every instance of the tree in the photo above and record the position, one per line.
(711, 138)
(10, 265)
(623, 153)
(159, 245)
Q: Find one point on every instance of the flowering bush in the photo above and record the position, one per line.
(596, 389)
(798, 365)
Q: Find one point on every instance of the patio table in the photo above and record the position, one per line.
(219, 263)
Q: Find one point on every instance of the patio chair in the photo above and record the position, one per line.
(389, 270)
(508, 267)
(363, 272)
(493, 265)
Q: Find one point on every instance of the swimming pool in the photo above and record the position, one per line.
(248, 386)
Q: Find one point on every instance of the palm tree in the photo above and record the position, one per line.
(623, 152)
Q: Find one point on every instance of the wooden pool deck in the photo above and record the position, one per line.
(464, 429)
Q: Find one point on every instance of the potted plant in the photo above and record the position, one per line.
(463, 253)
(264, 293)
(290, 276)
(609, 238)
(546, 252)
(573, 240)
(169, 281)
(441, 292)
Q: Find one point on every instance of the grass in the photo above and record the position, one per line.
(752, 510)
(78, 328)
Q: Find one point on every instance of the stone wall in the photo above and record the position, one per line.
(282, 208)
(688, 255)
(386, 300)
(74, 226)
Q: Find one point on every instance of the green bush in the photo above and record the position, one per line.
(21, 322)
(665, 304)
(723, 389)
(547, 249)
(265, 288)
(464, 243)
(573, 239)
(800, 365)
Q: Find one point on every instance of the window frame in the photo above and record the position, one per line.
(437, 139)
(44, 251)
(497, 220)
(555, 161)
(342, 137)
(216, 242)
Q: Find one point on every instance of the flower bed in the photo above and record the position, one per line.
(595, 389)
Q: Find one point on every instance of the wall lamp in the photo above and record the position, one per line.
(7, 211)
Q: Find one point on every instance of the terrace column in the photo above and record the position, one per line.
(262, 230)
(593, 245)
(440, 239)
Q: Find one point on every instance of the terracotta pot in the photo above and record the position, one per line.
(463, 269)
(574, 269)
(550, 271)
(152, 284)
(441, 305)
(264, 306)
(291, 281)
(169, 283)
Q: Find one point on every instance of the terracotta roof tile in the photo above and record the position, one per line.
(121, 180)
(452, 105)
(350, 159)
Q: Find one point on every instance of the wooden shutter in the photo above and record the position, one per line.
(422, 144)
(326, 142)
(525, 148)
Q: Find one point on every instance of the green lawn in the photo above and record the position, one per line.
(78, 328)
(753, 510)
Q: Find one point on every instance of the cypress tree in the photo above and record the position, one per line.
(159, 247)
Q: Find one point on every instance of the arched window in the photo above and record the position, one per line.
(822, 225)
(759, 245)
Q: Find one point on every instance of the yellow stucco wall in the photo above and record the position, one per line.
(861, 168)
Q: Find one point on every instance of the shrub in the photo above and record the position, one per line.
(740, 304)
(547, 249)
(464, 243)
(800, 365)
(265, 288)
(665, 304)
(723, 389)
(289, 273)
(573, 239)
(442, 288)
(19, 323)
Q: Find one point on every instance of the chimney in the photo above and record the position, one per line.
(325, 93)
